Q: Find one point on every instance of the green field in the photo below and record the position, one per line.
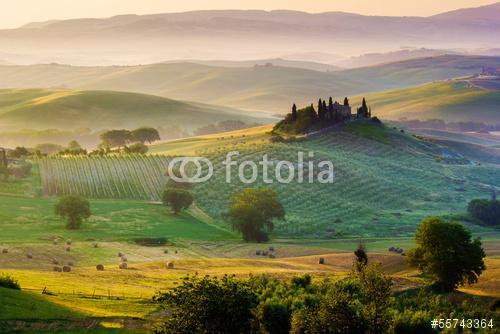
(455, 100)
(417, 178)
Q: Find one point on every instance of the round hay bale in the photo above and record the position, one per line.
(99, 267)
(321, 260)
(68, 249)
(123, 265)
(5, 251)
(71, 263)
(271, 248)
(29, 256)
(124, 259)
(165, 251)
(66, 269)
(176, 251)
(54, 242)
(68, 242)
(54, 261)
(265, 253)
(257, 252)
(170, 265)
(272, 256)
(57, 269)
(95, 245)
(120, 254)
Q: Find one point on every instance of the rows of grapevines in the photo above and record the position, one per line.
(129, 176)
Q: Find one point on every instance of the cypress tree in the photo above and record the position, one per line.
(294, 112)
(346, 101)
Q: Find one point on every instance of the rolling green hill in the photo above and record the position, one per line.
(96, 110)
(385, 181)
(455, 100)
(267, 89)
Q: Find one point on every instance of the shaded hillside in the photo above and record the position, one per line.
(449, 101)
(267, 89)
(95, 110)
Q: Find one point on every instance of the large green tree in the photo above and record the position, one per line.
(177, 198)
(116, 138)
(252, 212)
(208, 305)
(447, 252)
(74, 209)
(485, 210)
(144, 135)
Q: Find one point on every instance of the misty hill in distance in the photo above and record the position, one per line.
(253, 34)
(267, 89)
(40, 109)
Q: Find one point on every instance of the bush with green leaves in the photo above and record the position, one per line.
(9, 282)
(208, 305)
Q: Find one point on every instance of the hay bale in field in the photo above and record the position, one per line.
(265, 253)
(29, 256)
(391, 249)
(271, 248)
(71, 263)
(54, 242)
(124, 259)
(68, 249)
(176, 251)
(99, 267)
(165, 251)
(5, 251)
(95, 245)
(66, 269)
(321, 260)
(54, 261)
(272, 256)
(123, 265)
(170, 265)
(68, 242)
(57, 269)
(120, 254)
(257, 252)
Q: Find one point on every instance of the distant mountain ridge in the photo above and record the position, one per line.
(252, 34)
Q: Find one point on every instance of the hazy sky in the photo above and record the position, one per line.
(14, 13)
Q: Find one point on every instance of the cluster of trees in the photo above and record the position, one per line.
(120, 138)
(363, 302)
(21, 169)
(486, 211)
(325, 114)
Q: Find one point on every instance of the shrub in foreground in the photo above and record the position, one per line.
(8, 282)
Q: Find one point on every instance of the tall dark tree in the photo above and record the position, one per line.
(321, 112)
(312, 114)
(325, 111)
(294, 113)
(178, 199)
(346, 101)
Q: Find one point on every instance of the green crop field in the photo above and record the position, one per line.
(385, 181)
